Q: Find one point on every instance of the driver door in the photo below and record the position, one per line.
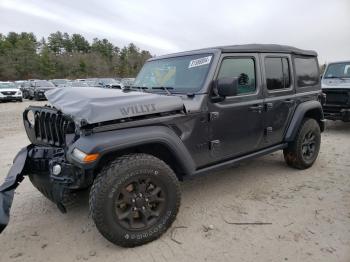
(236, 122)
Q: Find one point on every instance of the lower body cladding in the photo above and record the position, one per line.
(49, 172)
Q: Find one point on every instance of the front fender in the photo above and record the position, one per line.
(113, 141)
(301, 111)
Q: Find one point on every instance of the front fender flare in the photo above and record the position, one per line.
(299, 115)
(112, 141)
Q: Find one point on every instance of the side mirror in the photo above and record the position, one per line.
(227, 86)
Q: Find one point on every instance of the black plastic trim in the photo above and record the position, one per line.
(298, 117)
(112, 141)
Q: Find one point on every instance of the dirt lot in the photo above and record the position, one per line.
(309, 211)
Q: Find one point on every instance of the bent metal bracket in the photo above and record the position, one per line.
(7, 189)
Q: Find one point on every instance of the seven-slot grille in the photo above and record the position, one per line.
(50, 126)
(337, 97)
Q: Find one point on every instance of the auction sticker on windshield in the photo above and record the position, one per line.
(200, 61)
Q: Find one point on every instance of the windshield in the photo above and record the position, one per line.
(128, 81)
(108, 81)
(338, 70)
(7, 85)
(44, 83)
(182, 74)
(59, 81)
(79, 84)
(91, 83)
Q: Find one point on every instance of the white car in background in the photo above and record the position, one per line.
(10, 92)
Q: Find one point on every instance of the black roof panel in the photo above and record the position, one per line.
(257, 48)
(263, 48)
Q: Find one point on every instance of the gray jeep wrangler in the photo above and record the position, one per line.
(187, 114)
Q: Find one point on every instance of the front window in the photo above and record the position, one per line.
(243, 69)
(338, 70)
(7, 85)
(185, 74)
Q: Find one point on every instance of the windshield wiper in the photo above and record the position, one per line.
(166, 89)
(140, 88)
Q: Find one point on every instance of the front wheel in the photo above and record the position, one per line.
(303, 151)
(134, 199)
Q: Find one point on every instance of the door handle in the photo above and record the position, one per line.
(288, 101)
(268, 106)
(256, 108)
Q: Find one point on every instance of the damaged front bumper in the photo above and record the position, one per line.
(7, 189)
(49, 171)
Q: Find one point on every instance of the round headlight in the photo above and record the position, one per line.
(31, 117)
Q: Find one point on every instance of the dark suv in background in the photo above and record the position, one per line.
(187, 114)
(38, 88)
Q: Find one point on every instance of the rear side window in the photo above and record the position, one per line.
(277, 73)
(306, 70)
(243, 69)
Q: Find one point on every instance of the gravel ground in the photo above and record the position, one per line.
(309, 212)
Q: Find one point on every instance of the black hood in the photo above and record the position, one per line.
(95, 105)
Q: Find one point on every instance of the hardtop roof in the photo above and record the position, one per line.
(247, 48)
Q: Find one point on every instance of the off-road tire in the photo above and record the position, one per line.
(113, 178)
(293, 154)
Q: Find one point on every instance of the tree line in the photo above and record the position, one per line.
(61, 55)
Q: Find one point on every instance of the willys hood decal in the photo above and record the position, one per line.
(95, 105)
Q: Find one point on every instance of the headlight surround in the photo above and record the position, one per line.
(19, 93)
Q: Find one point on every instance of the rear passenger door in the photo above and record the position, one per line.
(279, 96)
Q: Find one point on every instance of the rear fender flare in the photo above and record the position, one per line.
(300, 112)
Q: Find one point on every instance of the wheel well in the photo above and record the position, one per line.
(156, 149)
(316, 114)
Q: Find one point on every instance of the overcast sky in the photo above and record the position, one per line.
(162, 26)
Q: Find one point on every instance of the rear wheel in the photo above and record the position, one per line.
(134, 199)
(303, 151)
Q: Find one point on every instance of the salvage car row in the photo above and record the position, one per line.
(36, 88)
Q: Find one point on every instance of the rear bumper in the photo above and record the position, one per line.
(40, 95)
